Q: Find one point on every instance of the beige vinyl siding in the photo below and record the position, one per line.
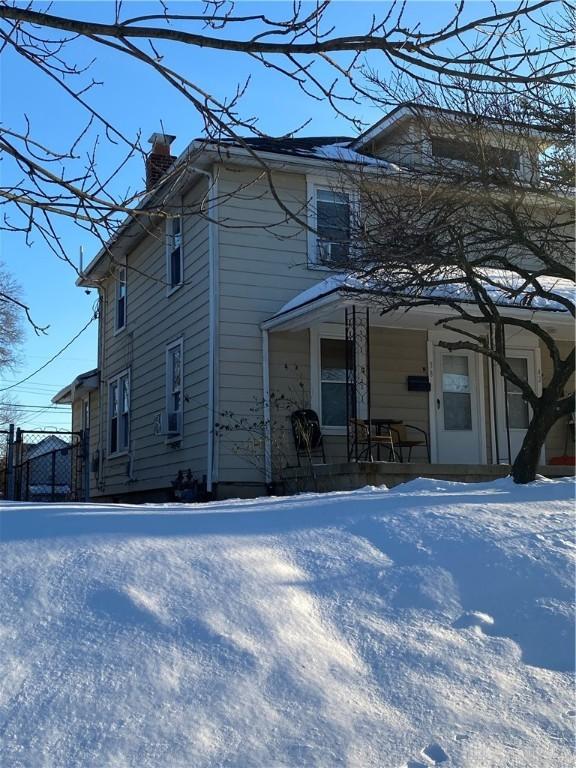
(153, 321)
(77, 415)
(289, 354)
(396, 354)
(258, 273)
(94, 439)
(77, 410)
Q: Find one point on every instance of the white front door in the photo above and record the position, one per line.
(457, 408)
(512, 412)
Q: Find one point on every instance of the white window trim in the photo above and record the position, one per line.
(313, 184)
(118, 282)
(326, 331)
(85, 415)
(178, 343)
(116, 380)
(170, 289)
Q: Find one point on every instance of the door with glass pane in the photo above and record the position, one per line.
(457, 408)
(512, 412)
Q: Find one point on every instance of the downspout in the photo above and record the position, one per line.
(266, 395)
(212, 323)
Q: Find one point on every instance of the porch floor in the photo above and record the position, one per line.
(348, 476)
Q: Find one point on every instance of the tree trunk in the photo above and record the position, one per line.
(543, 419)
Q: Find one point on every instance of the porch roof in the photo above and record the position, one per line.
(341, 290)
(84, 382)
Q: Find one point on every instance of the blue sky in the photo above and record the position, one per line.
(134, 99)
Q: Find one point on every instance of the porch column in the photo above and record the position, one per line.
(358, 396)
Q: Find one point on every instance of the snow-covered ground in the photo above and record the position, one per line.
(429, 624)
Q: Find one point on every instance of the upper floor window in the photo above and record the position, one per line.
(174, 388)
(119, 413)
(174, 265)
(464, 151)
(121, 299)
(330, 220)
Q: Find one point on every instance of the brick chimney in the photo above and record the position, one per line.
(159, 159)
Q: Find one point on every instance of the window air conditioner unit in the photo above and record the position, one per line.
(325, 250)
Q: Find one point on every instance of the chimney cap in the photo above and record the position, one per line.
(161, 138)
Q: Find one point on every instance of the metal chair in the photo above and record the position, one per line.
(307, 434)
(360, 430)
(402, 439)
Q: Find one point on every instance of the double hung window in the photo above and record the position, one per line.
(329, 217)
(119, 413)
(174, 264)
(332, 226)
(120, 321)
(174, 388)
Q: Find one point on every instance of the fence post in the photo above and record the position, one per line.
(10, 464)
(18, 464)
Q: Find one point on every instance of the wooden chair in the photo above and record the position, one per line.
(404, 438)
(307, 434)
(362, 436)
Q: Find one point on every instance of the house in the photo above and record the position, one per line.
(44, 469)
(227, 305)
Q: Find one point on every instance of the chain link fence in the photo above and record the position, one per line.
(41, 465)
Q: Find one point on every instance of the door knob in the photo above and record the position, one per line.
(438, 403)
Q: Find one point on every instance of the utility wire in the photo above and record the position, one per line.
(64, 348)
(31, 407)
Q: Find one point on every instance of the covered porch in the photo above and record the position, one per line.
(392, 403)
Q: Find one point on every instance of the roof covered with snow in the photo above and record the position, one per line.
(333, 148)
(503, 286)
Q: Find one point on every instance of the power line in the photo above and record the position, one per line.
(31, 407)
(64, 348)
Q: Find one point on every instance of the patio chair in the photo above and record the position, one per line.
(307, 434)
(366, 441)
(404, 438)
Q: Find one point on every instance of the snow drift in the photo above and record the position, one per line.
(428, 625)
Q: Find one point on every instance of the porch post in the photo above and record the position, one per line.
(10, 464)
(266, 408)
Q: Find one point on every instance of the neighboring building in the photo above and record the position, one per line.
(208, 313)
(45, 469)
